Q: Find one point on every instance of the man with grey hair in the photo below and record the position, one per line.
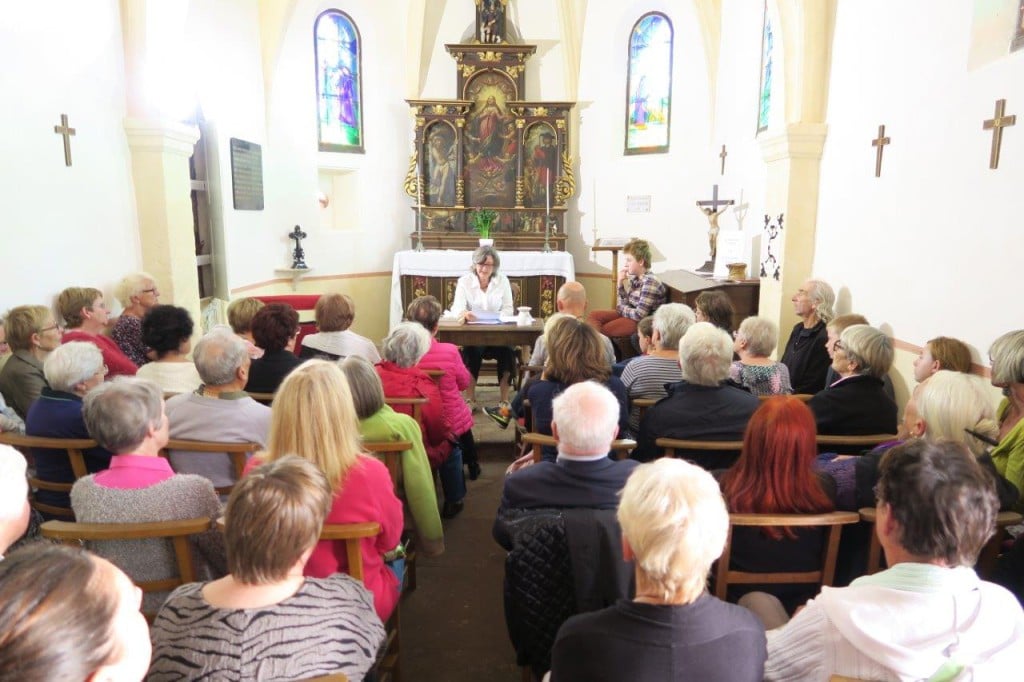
(703, 406)
(571, 299)
(14, 510)
(219, 410)
(585, 422)
(805, 354)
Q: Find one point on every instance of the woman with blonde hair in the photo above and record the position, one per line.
(32, 334)
(313, 416)
(138, 294)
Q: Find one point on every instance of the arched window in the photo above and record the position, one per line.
(339, 85)
(649, 85)
(764, 100)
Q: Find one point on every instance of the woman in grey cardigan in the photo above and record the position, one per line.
(126, 416)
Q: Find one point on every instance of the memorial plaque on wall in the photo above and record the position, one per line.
(247, 175)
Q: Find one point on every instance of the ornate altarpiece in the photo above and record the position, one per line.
(490, 148)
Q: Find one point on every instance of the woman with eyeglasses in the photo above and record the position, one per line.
(138, 294)
(87, 318)
(32, 334)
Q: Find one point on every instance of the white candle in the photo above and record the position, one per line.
(419, 201)
(547, 196)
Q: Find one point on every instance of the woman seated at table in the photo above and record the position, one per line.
(87, 317)
(167, 329)
(265, 615)
(379, 423)
(485, 289)
(333, 339)
(275, 328)
(755, 370)
(313, 417)
(857, 404)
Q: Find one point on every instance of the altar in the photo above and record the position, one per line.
(535, 277)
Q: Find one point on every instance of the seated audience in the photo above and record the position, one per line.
(805, 354)
(585, 422)
(32, 334)
(755, 370)
(333, 339)
(66, 614)
(638, 294)
(72, 371)
(426, 310)
(835, 329)
(575, 354)
(219, 410)
(167, 329)
(264, 615)
(857, 404)
(644, 331)
(138, 294)
(379, 423)
(126, 416)
(928, 616)
(942, 352)
(275, 328)
(1007, 354)
(775, 475)
(87, 318)
(704, 405)
(571, 299)
(650, 375)
(14, 509)
(313, 416)
(403, 348)
(714, 307)
(240, 314)
(674, 526)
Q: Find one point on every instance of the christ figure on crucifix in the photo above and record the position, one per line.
(713, 227)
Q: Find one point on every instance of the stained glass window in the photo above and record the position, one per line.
(764, 102)
(649, 85)
(339, 86)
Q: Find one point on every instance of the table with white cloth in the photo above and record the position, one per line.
(535, 277)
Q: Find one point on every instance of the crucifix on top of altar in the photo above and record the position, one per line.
(490, 148)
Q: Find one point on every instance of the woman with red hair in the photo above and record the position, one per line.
(775, 475)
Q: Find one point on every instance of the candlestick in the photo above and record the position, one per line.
(547, 195)
(419, 212)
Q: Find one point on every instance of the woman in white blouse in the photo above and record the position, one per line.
(485, 289)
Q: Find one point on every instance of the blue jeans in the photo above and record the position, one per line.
(453, 478)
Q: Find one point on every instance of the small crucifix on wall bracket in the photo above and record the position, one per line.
(299, 254)
(64, 131)
(996, 125)
(879, 143)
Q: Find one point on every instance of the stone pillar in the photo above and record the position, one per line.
(793, 160)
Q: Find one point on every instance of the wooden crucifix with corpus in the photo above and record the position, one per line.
(711, 209)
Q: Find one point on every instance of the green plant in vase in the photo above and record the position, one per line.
(482, 221)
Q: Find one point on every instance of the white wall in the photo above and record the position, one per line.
(63, 226)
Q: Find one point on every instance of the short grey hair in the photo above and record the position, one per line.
(120, 413)
(71, 364)
(869, 348)
(481, 254)
(132, 285)
(823, 298)
(587, 415)
(671, 320)
(1007, 353)
(705, 354)
(761, 334)
(364, 382)
(218, 355)
(407, 343)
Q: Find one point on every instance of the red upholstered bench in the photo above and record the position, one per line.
(301, 302)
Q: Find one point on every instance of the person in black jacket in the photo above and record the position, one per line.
(805, 354)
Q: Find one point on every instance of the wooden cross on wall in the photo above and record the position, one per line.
(66, 132)
(996, 125)
(879, 143)
(722, 156)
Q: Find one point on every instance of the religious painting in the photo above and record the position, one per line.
(490, 21)
(649, 85)
(491, 146)
(540, 166)
(1018, 34)
(339, 86)
(764, 101)
(441, 164)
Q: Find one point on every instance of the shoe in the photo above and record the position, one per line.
(452, 509)
(474, 470)
(499, 415)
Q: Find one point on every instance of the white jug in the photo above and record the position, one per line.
(524, 319)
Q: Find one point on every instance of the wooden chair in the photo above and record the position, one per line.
(352, 535)
(834, 521)
(853, 444)
(417, 406)
(642, 405)
(801, 396)
(435, 374)
(73, 446)
(177, 532)
(986, 559)
(621, 447)
(335, 677)
(265, 398)
(237, 452)
(391, 452)
(710, 454)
